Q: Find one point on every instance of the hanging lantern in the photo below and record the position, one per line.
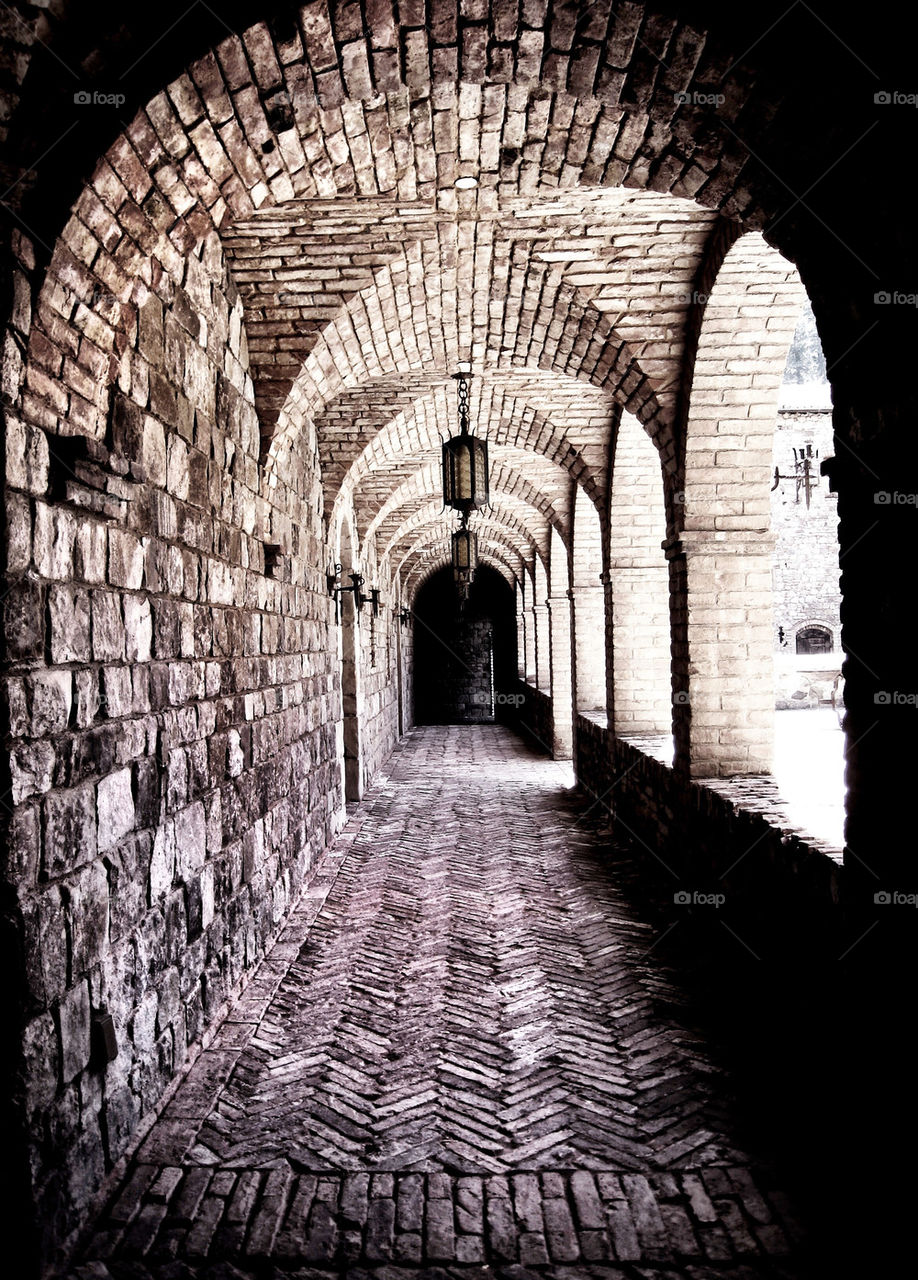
(465, 458)
(465, 553)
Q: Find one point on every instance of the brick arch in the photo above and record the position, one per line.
(557, 329)
(721, 557)
(501, 529)
(566, 333)
(424, 485)
(422, 561)
(505, 409)
(579, 94)
(588, 603)
(494, 538)
(515, 515)
(208, 152)
(511, 475)
(639, 586)
(343, 531)
(511, 515)
(424, 567)
(263, 64)
(807, 621)
(186, 135)
(212, 170)
(329, 259)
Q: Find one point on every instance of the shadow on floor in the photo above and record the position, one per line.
(819, 1049)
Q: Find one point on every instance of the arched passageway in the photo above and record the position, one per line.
(465, 654)
(233, 302)
(444, 1026)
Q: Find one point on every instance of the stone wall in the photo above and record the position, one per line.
(535, 720)
(379, 659)
(171, 697)
(806, 569)
(463, 692)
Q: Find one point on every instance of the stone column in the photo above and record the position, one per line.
(723, 661)
(520, 637)
(588, 611)
(529, 627)
(542, 646)
(559, 608)
(639, 637)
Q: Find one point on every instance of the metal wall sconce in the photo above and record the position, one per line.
(404, 616)
(805, 476)
(356, 583)
(374, 601)
(336, 590)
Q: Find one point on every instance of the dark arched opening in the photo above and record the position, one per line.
(814, 640)
(465, 656)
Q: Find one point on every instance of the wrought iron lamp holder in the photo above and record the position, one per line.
(336, 590)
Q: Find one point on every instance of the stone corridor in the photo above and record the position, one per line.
(464, 1056)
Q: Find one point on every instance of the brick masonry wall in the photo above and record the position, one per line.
(171, 697)
(638, 630)
(380, 703)
(376, 650)
(535, 716)
(460, 689)
(380, 113)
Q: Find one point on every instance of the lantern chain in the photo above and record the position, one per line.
(463, 404)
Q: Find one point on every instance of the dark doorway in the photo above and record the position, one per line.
(465, 657)
(814, 640)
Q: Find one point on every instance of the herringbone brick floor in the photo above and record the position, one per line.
(462, 1058)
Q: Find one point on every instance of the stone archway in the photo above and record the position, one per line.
(168, 645)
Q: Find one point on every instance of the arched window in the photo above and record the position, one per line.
(814, 640)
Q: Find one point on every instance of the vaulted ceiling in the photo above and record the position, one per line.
(323, 144)
(569, 304)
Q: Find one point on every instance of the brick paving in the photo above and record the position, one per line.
(461, 1058)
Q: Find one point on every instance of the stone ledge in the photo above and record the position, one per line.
(708, 827)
